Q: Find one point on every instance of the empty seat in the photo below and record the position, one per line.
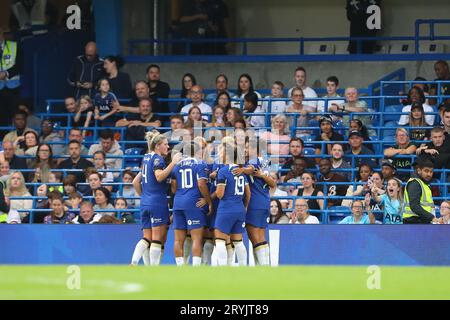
(402, 48)
(391, 113)
(319, 48)
(309, 151)
(341, 48)
(337, 213)
(431, 47)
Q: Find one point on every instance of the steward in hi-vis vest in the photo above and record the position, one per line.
(418, 201)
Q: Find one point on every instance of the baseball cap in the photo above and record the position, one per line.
(355, 133)
(389, 163)
(326, 118)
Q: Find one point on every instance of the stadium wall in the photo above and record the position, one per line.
(351, 73)
(305, 245)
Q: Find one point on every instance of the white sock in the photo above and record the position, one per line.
(221, 252)
(261, 252)
(179, 261)
(208, 248)
(139, 250)
(155, 254)
(187, 249)
(161, 255)
(196, 261)
(214, 262)
(230, 254)
(241, 252)
(146, 257)
(255, 257)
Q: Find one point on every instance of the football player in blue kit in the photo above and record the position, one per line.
(154, 203)
(258, 212)
(230, 217)
(189, 184)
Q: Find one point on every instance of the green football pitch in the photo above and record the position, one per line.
(167, 282)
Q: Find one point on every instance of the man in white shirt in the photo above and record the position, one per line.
(300, 214)
(300, 82)
(332, 86)
(196, 95)
(275, 106)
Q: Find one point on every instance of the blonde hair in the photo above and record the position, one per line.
(282, 118)
(154, 138)
(87, 98)
(22, 189)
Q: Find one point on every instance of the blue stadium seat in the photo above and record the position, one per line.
(337, 213)
(388, 116)
(309, 151)
(390, 132)
(133, 162)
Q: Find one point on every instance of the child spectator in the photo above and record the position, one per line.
(69, 184)
(391, 201)
(218, 117)
(275, 107)
(125, 217)
(54, 178)
(251, 106)
(103, 201)
(103, 102)
(84, 105)
(74, 201)
(128, 191)
(332, 87)
(99, 158)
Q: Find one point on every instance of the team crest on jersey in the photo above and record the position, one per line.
(189, 222)
(152, 220)
(268, 220)
(243, 225)
(157, 162)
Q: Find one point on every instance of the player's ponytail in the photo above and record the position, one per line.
(153, 139)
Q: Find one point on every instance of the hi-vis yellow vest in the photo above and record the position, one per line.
(7, 61)
(426, 199)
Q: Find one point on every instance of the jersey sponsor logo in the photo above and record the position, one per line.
(156, 162)
(189, 222)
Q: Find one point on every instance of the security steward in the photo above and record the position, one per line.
(418, 200)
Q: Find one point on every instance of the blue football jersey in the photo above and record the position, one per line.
(233, 199)
(187, 173)
(153, 192)
(260, 190)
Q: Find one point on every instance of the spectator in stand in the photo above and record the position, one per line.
(422, 86)
(328, 178)
(417, 119)
(125, 217)
(296, 146)
(59, 214)
(111, 148)
(245, 86)
(308, 189)
(87, 214)
(218, 117)
(301, 215)
(352, 105)
(4, 172)
(443, 74)
(277, 216)
(221, 87)
(177, 132)
(85, 72)
(41, 204)
(417, 96)
(436, 149)
(332, 87)
(73, 202)
(445, 121)
(15, 187)
(251, 106)
(357, 125)
(402, 147)
(104, 102)
(195, 118)
(42, 164)
(75, 161)
(388, 170)
(103, 201)
(120, 81)
(300, 83)
(223, 100)
(128, 191)
(233, 115)
(139, 123)
(158, 90)
(277, 192)
(32, 121)
(196, 94)
(20, 124)
(275, 136)
(358, 216)
(297, 106)
(358, 149)
(338, 162)
(84, 105)
(445, 213)
(295, 175)
(141, 91)
(327, 134)
(48, 136)
(275, 106)
(361, 187)
(69, 184)
(391, 202)
(75, 134)
(187, 82)
(99, 159)
(27, 144)
(94, 179)
(15, 163)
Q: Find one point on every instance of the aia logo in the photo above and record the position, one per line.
(74, 20)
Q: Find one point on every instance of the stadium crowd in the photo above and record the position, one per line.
(323, 152)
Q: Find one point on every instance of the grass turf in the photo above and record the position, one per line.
(167, 282)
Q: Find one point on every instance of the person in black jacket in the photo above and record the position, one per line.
(120, 82)
(15, 163)
(158, 90)
(76, 162)
(85, 72)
